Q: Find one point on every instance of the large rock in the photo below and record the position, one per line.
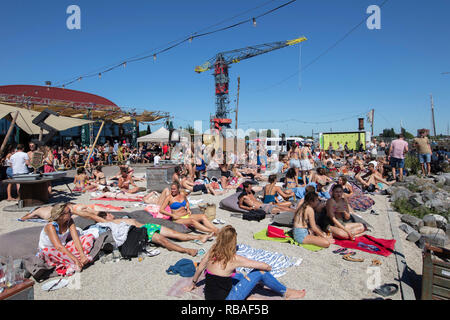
(414, 222)
(432, 231)
(429, 221)
(416, 200)
(427, 195)
(401, 193)
(406, 228)
(441, 222)
(436, 240)
(438, 205)
(413, 236)
(440, 179)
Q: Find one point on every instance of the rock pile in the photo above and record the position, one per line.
(425, 195)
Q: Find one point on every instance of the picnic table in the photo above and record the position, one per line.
(33, 191)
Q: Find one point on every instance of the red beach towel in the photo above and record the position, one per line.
(369, 244)
(114, 199)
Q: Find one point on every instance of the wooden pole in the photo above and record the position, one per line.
(237, 110)
(373, 115)
(9, 131)
(95, 142)
(432, 115)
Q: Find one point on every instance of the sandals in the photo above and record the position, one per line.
(374, 213)
(196, 241)
(387, 289)
(349, 258)
(200, 252)
(344, 251)
(218, 221)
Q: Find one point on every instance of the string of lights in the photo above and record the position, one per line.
(173, 45)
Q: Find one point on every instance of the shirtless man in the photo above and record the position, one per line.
(248, 201)
(156, 233)
(372, 178)
(126, 180)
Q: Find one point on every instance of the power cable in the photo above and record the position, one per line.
(174, 44)
(334, 45)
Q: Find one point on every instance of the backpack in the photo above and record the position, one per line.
(254, 215)
(136, 242)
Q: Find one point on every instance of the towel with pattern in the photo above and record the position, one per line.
(279, 262)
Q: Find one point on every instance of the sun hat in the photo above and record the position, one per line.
(57, 211)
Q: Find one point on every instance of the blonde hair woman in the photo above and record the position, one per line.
(222, 282)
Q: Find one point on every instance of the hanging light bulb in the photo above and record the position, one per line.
(254, 22)
(79, 79)
(154, 57)
(63, 86)
(124, 64)
(100, 75)
(190, 39)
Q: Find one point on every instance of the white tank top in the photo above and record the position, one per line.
(44, 240)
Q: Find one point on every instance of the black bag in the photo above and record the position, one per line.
(254, 215)
(136, 242)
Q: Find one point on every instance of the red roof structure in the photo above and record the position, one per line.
(53, 93)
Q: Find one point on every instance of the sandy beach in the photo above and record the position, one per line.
(324, 275)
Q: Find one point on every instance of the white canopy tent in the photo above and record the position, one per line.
(25, 118)
(160, 135)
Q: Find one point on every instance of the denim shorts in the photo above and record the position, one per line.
(425, 157)
(397, 163)
(300, 234)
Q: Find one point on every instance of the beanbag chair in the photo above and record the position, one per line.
(20, 243)
(231, 203)
(23, 244)
(284, 219)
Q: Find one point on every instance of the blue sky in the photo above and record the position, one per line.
(393, 70)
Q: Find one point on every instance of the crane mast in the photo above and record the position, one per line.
(221, 63)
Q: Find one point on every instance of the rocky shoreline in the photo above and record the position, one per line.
(425, 207)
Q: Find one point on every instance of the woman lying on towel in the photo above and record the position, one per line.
(222, 282)
(56, 251)
(275, 195)
(355, 196)
(188, 184)
(181, 213)
(305, 229)
(338, 214)
(121, 195)
(44, 212)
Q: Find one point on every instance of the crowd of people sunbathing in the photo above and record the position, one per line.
(320, 189)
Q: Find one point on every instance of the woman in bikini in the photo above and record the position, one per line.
(321, 177)
(222, 282)
(180, 211)
(339, 215)
(273, 193)
(305, 229)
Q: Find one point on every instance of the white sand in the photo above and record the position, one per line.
(323, 274)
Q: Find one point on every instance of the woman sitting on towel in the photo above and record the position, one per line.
(305, 229)
(180, 211)
(339, 215)
(56, 251)
(222, 282)
(188, 184)
(321, 176)
(275, 195)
